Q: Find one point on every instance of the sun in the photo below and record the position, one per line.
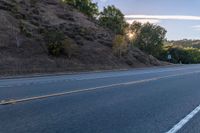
(131, 35)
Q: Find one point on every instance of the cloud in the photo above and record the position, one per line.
(196, 27)
(154, 21)
(158, 18)
(163, 17)
(104, 1)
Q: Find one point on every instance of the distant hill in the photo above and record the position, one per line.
(23, 47)
(186, 43)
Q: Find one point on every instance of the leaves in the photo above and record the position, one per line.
(86, 6)
(149, 37)
(113, 18)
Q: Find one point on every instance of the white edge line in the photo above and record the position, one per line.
(185, 120)
(5, 102)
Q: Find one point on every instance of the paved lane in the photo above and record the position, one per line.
(36, 86)
(146, 107)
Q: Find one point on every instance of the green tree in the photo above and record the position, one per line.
(181, 54)
(120, 45)
(136, 27)
(150, 37)
(113, 18)
(86, 6)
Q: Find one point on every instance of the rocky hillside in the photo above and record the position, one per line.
(23, 48)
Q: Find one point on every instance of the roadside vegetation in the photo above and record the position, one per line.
(148, 37)
(181, 52)
(48, 36)
(113, 18)
(85, 6)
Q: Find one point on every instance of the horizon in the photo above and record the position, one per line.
(180, 18)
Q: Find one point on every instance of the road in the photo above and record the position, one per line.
(149, 100)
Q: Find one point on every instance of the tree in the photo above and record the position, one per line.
(113, 18)
(181, 54)
(150, 37)
(86, 6)
(136, 27)
(119, 45)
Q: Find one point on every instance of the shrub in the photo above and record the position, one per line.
(54, 48)
(86, 6)
(54, 41)
(58, 44)
(33, 2)
(24, 30)
(69, 47)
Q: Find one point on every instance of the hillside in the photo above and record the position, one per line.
(23, 48)
(186, 43)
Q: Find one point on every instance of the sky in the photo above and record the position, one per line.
(181, 18)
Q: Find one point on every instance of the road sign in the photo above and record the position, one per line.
(169, 57)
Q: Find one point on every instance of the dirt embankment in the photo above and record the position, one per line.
(23, 49)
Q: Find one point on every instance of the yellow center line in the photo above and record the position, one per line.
(13, 101)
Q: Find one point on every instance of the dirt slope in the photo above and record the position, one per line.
(23, 49)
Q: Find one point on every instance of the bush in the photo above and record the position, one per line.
(24, 30)
(33, 2)
(69, 48)
(58, 44)
(86, 6)
(54, 49)
(54, 41)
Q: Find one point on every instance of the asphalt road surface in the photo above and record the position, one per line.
(150, 100)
